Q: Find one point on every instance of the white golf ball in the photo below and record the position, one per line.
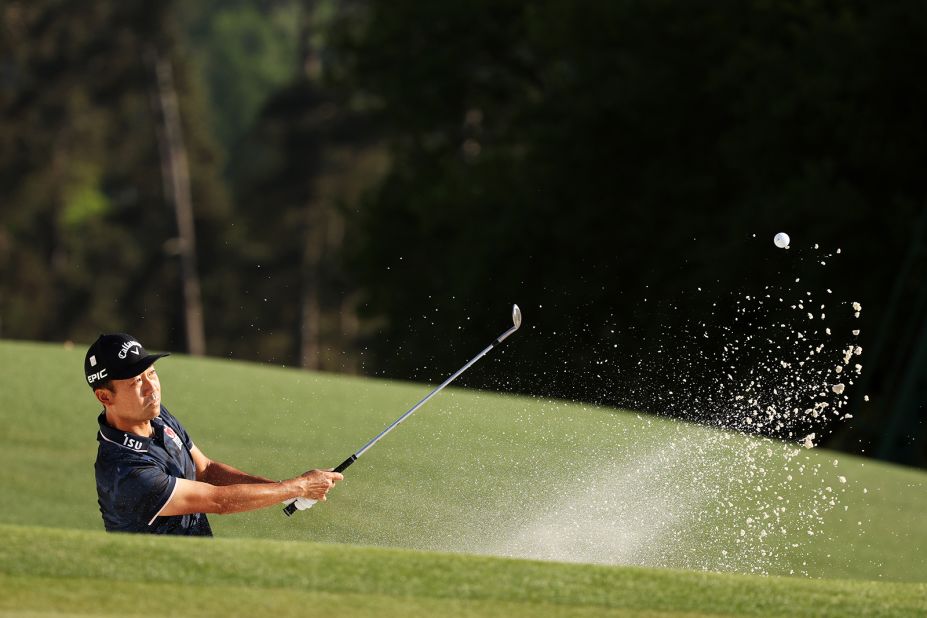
(782, 240)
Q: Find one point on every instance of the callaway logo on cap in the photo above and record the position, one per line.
(117, 356)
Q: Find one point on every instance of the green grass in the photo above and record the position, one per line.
(70, 572)
(471, 473)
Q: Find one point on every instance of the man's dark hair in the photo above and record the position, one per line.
(108, 385)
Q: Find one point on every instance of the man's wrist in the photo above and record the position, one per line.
(292, 487)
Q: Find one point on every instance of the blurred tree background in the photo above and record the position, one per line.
(371, 178)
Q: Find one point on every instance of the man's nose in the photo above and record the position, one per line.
(147, 385)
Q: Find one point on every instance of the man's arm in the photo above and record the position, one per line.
(218, 473)
(200, 497)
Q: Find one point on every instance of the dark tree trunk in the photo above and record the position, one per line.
(176, 174)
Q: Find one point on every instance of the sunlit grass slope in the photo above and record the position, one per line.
(471, 472)
(70, 572)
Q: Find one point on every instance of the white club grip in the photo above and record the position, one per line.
(304, 503)
(298, 504)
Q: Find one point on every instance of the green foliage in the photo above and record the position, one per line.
(84, 218)
(246, 51)
(84, 200)
(88, 240)
(303, 162)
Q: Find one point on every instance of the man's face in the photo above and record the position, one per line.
(138, 398)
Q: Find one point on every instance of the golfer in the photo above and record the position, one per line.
(150, 475)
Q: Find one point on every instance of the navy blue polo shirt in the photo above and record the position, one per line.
(136, 477)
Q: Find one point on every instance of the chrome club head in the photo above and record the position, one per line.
(516, 316)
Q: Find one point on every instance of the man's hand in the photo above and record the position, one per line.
(316, 484)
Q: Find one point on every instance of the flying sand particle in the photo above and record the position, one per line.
(847, 355)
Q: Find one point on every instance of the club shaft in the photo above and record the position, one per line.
(393, 425)
(516, 318)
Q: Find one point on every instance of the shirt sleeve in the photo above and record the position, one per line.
(142, 491)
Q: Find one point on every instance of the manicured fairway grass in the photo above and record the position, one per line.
(72, 572)
(471, 472)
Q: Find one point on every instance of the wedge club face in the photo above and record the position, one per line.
(516, 316)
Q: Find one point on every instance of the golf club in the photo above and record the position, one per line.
(305, 503)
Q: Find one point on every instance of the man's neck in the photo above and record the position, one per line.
(139, 428)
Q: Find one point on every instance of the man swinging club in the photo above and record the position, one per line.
(150, 476)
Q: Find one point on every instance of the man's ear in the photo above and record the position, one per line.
(104, 396)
